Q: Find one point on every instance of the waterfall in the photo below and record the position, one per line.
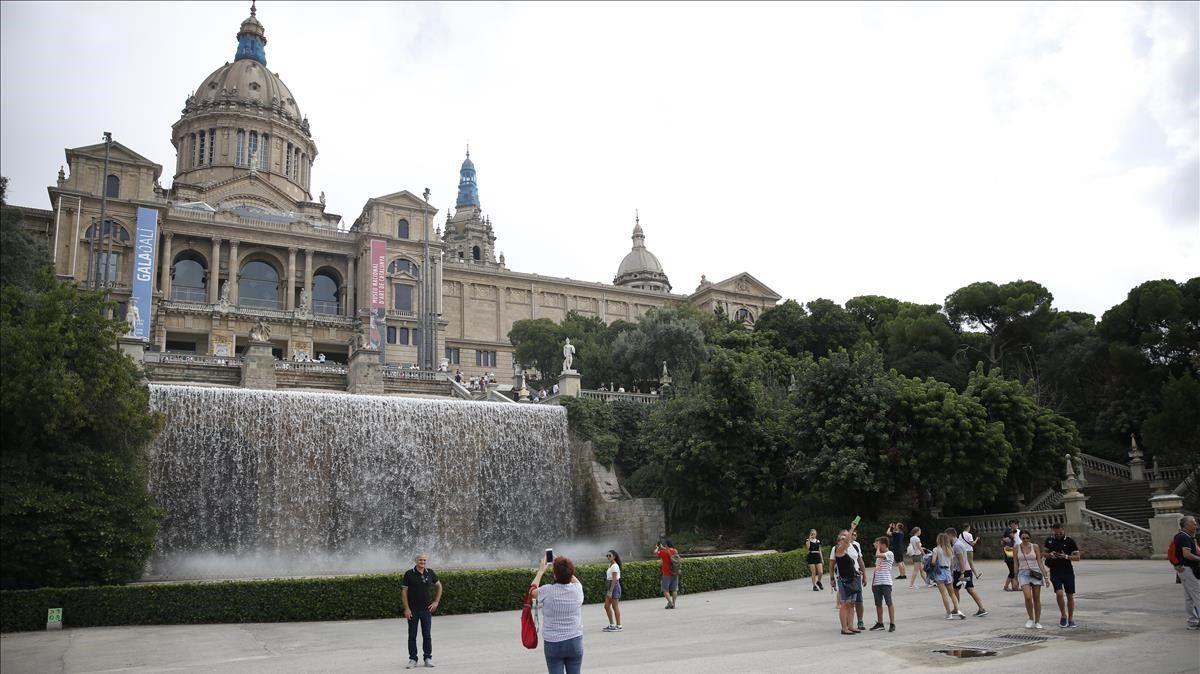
(259, 483)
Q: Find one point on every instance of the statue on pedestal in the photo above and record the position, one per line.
(568, 356)
(133, 316)
(261, 332)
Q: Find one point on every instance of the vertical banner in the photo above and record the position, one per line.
(378, 292)
(145, 250)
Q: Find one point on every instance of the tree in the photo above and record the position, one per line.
(21, 255)
(821, 329)
(1173, 434)
(73, 469)
(536, 344)
(671, 335)
(1162, 320)
(1012, 316)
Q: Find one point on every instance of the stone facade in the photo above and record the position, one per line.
(243, 240)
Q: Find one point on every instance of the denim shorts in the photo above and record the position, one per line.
(850, 591)
(670, 583)
(614, 587)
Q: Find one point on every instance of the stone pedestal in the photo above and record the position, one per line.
(569, 383)
(1073, 502)
(134, 347)
(258, 366)
(1137, 466)
(1164, 524)
(365, 374)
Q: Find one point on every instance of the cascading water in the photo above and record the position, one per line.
(259, 483)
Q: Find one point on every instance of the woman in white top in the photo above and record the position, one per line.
(916, 557)
(1027, 561)
(562, 617)
(612, 596)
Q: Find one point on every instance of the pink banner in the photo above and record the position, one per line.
(378, 292)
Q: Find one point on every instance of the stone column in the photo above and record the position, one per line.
(234, 271)
(569, 383)
(164, 281)
(1164, 524)
(308, 275)
(214, 272)
(365, 374)
(1073, 502)
(290, 294)
(1137, 467)
(258, 366)
(351, 264)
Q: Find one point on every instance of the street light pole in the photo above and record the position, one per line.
(104, 209)
(427, 336)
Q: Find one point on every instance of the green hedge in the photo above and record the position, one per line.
(359, 597)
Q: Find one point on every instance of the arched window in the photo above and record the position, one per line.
(476, 254)
(241, 147)
(188, 278)
(743, 315)
(109, 228)
(403, 266)
(402, 229)
(253, 151)
(264, 155)
(259, 285)
(325, 293)
(112, 187)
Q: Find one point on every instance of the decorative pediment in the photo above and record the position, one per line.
(246, 189)
(745, 284)
(403, 199)
(116, 153)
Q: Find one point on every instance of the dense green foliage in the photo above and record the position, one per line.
(21, 255)
(361, 597)
(73, 475)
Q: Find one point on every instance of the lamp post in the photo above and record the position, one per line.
(104, 210)
(426, 322)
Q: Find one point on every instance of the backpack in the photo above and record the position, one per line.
(927, 564)
(529, 633)
(1173, 554)
(676, 562)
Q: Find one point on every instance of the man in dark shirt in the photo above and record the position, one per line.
(1189, 569)
(1060, 550)
(418, 610)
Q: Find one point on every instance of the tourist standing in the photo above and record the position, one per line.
(847, 584)
(1061, 550)
(862, 573)
(1007, 542)
(969, 539)
(1189, 569)
(815, 572)
(612, 596)
(963, 573)
(916, 557)
(942, 554)
(670, 580)
(881, 584)
(1030, 574)
(896, 545)
(418, 609)
(562, 617)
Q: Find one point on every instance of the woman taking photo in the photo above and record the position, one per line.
(942, 554)
(815, 568)
(612, 596)
(916, 557)
(562, 619)
(1030, 573)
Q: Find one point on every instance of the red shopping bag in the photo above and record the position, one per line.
(529, 634)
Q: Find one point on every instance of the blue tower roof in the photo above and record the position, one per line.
(252, 39)
(468, 191)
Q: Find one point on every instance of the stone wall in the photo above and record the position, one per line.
(605, 510)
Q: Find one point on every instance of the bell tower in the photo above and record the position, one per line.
(469, 237)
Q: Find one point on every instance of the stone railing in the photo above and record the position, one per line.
(1105, 467)
(1189, 484)
(1171, 473)
(609, 396)
(257, 312)
(1129, 534)
(1047, 500)
(295, 227)
(297, 366)
(459, 390)
(191, 359)
(997, 524)
(395, 372)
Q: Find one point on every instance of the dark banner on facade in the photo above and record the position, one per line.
(378, 292)
(145, 249)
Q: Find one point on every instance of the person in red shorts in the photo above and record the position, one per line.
(670, 579)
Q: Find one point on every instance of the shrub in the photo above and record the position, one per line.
(360, 597)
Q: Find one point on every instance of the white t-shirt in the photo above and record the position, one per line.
(967, 538)
(959, 561)
(613, 573)
(914, 546)
(883, 568)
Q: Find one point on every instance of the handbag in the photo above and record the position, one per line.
(1036, 575)
(529, 633)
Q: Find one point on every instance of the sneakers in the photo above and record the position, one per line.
(876, 626)
(892, 627)
(861, 626)
(429, 662)
(821, 585)
(1195, 626)
(951, 616)
(1062, 622)
(610, 628)
(901, 576)
(1028, 624)
(981, 612)
(960, 615)
(1038, 626)
(412, 664)
(815, 588)
(1071, 625)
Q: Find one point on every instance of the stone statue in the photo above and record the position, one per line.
(261, 332)
(133, 316)
(665, 376)
(303, 299)
(359, 340)
(225, 293)
(322, 197)
(568, 356)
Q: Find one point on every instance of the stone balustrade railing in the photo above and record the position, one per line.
(1130, 534)
(1106, 467)
(998, 523)
(609, 396)
(1047, 500)
(1189, 484)
(317, 367)
(394, 372)
(258, 312)
(191, 359)
(1170, 474)
(295, 227)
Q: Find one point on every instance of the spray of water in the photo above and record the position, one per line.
(263, 483)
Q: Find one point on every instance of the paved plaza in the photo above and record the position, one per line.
(1130, 615)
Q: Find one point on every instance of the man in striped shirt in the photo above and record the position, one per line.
(881, 584)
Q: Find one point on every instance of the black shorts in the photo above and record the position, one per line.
(968, 579)
(814, 558)
(1063, 579)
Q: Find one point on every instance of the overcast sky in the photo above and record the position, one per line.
(831, 150)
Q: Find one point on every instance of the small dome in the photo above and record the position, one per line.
(639, 260)
(247, 82)
(640, 268)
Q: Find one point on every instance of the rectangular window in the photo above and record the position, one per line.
(391, 334)
(454, 355)
(106, 272)
(241, 147)
(485, 358)
(202, 154)
(253, 151)
(403, 295)
(264, 156)
(212, 144)
(287, 168)
(404, 335)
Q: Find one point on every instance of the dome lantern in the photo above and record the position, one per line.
(252, 39)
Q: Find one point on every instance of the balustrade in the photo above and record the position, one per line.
(1111, 468)
(191, 359)
(1110, 527)
(317, 367)
(609, 396)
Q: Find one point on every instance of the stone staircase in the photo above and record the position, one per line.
(1127, 501)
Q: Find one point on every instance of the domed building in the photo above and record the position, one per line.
(237, 241)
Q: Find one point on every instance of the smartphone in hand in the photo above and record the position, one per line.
(549, 555)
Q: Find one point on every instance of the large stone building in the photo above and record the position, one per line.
(242, 239)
